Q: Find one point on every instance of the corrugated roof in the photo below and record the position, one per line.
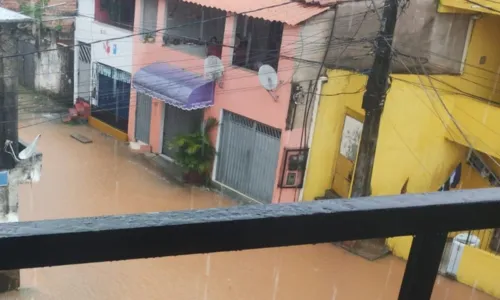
(291, 13)
(9, 16)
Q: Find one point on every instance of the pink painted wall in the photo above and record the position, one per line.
(241, 91)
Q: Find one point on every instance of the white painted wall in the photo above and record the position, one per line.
(86, 8)
(120, 51)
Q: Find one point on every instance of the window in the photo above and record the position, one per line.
(257, 42)
(195, 29)
(118, 13)
(149, 18)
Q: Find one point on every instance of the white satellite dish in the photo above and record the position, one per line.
(268, 77)
(30, 150)
(213, 68)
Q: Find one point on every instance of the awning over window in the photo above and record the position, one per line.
(175, 86)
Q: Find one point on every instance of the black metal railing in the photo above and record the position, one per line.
(429, 217)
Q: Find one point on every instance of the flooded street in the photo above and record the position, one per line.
(104, 178)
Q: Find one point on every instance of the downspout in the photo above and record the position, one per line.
(319, 87)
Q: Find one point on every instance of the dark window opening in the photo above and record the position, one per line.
(194, 29)
(119, 13)
(257, 43)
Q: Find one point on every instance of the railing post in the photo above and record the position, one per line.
(422, 266)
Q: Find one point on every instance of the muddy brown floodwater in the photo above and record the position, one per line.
(104, 178)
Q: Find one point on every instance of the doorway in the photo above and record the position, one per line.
(178, 122)
(348, 152)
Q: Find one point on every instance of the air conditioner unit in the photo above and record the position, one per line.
(478, 164)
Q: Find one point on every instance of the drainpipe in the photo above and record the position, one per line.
(319, 87)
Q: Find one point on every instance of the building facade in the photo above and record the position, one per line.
(437, 133)
(170, 95)
(103, 62)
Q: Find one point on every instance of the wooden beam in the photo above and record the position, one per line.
(99, 239)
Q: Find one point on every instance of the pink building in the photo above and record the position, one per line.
(260, 139)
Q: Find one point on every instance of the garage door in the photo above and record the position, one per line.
(248, 156)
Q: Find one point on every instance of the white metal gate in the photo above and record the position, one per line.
(143, 117)
(248, 156)
(84, 70)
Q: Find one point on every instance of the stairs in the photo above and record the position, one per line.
(329, 194)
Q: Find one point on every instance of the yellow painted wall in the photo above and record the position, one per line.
(480, 269)
(411, 138)
(417, 137)
(477, 6)
(108, 129)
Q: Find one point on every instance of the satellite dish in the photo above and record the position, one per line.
(30, 150)
(268, 77)
(213, 68)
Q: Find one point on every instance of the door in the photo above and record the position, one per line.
(143, 118)
(248, 156)
(344, 167)
(178, 122)
(84, 71)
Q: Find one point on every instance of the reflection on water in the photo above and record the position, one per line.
(105, 178)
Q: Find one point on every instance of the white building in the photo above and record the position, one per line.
(103, 58)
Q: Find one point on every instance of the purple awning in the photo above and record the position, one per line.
(175, 86)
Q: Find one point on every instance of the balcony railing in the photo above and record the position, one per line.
(426, 216)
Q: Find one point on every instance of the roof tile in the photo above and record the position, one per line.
(288, 12)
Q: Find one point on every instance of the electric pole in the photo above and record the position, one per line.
(8, 97)
(374, 100)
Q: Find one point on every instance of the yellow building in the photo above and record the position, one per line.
(429, 126)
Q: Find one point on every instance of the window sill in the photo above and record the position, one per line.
(111, 26)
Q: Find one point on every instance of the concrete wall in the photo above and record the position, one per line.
(54, 69)
(420, 32)
(309, 49)
(46, 66)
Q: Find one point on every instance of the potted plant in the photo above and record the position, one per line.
(195, 153)
(149, 38)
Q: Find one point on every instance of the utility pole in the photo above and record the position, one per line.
(373, 104)
(12, 173)
(374, 100)
(8, 99)
(9, 280)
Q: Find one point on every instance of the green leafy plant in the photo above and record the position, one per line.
(195, 153)
(58, 27)
(149, 37)
(34, 10)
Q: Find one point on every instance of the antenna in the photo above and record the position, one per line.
(268, 78)
(214, 69)
(28, 152)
